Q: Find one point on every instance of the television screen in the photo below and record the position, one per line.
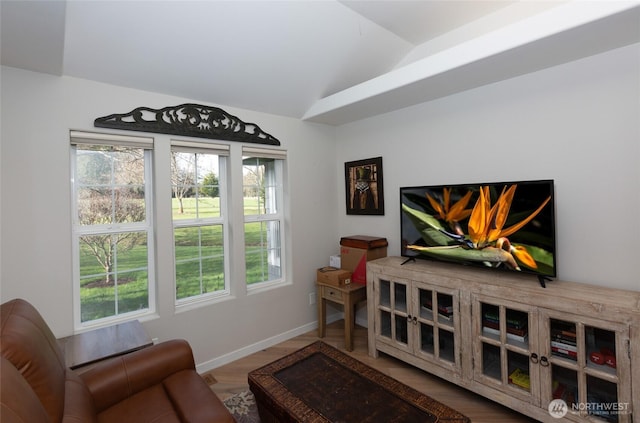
(505, 225)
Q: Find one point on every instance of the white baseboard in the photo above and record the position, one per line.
(261, 345)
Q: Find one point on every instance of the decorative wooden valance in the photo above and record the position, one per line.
(191, 120)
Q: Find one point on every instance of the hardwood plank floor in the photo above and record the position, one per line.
(232, 378)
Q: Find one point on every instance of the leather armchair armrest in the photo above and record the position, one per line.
(119, 378)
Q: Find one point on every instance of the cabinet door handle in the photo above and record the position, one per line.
(544, 361)
(415, 320)
(534, 358)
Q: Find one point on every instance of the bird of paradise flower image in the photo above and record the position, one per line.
(452, 214)
(490, 227)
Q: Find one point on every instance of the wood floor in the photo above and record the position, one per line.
(232, 378)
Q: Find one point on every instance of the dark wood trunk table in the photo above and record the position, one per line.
(319, 383)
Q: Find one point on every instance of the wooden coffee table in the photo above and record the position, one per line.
(319, 383)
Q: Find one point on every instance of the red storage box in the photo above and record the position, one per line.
(356, 250)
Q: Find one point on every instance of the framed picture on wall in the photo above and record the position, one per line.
(364, 190)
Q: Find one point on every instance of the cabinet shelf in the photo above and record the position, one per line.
(563, 362)
(521, 349)
(466, 327)
(609, 375)
(491, 339)
(510, 343)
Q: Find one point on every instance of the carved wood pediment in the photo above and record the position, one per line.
(191, 120)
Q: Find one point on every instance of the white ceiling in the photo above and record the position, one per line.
(327, 61)
(419, 21)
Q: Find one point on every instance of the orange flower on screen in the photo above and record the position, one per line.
(486, 221)
(451, 214)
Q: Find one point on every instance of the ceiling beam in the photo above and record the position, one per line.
(559, 35)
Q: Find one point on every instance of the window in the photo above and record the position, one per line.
(263, 175)
(112, 226)
(199, 220)
(115, 225)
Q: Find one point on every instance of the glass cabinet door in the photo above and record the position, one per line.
(588, 367)
(393, 312)
(504, 348)
(437, 322)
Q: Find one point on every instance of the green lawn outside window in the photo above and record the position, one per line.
(97, 298)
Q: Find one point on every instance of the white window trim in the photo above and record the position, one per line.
(213, 297)
(235, 271)
(281, 155)
(146, 143)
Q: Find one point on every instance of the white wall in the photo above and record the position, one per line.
(577, 123)
(37, 112)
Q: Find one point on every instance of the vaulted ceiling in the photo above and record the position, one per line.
(325, 61)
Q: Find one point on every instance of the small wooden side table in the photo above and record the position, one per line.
(347, 295)
(100, 344)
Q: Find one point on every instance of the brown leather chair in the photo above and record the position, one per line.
(158, 384)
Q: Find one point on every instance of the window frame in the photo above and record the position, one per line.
(157, 182)
(280, 157)
(148, 226)
(223, 152)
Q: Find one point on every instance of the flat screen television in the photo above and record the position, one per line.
(498, 225)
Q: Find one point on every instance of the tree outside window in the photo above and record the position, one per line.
(199, 224)
(112, 229)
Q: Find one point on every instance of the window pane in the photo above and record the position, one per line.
(195, 185)
(133, 291)
(113, 274)
(262, 251)
(213, 274)
(110, 185)
(199, 253)
(103, 206)
(199, 247)
(260, 186)
(93, 166)
(111, 230)
(262, 193)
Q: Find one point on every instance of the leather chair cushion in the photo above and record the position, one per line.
(194, 400)
(151, 405)
(29, 344)
(78, 406)
(18, 402)
(115, 380)
(182, 397)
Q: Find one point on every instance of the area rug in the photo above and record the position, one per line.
(243, 407)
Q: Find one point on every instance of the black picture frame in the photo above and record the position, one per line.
(364, 187)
